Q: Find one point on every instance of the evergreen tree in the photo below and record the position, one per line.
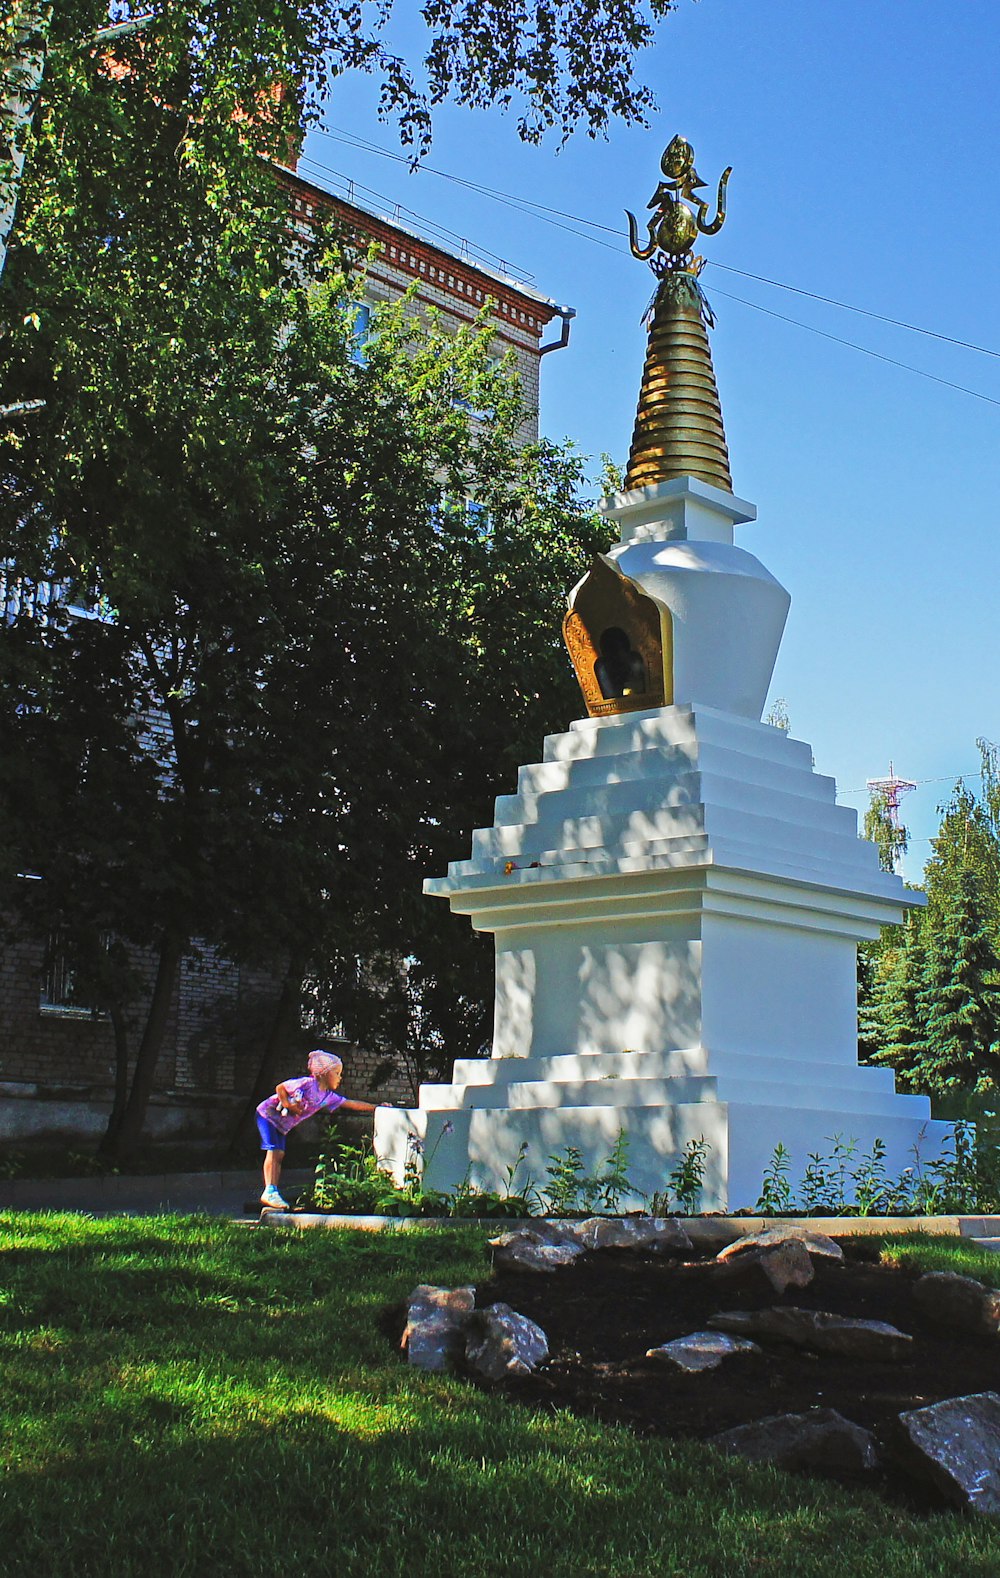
(893, 1026)
(968, 837)
(961, 1050)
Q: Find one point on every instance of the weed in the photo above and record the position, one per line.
(564, 1191)
(685, 1180)
(776, 1192)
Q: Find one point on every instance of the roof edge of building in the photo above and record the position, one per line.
(511, 286)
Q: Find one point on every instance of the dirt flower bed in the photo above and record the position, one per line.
(602, 1313)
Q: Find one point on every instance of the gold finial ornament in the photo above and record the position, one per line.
(678, 426)
(675, 226)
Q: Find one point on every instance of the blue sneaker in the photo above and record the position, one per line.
(273, 1199)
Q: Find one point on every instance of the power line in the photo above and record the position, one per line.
(542, 210)
(852, 345)
(427, 224)
(525, 206)
(505, 199)
(845, 306)
(945, 778)
(351, 140)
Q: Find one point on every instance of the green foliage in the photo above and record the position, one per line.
(964, 1177)
(571, 1191)
(893, 1022)
(685, 1181)
(776, 1191)
(889, 837)
(349, 1179)
(963, 1020)
(872, 1189)
(928, 993)
(968, 838)
(613, 1181)
(825, 1180)
(468, 1200)
(337, 667)
(566, 1186)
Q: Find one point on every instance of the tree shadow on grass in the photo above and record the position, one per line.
(435, 1481)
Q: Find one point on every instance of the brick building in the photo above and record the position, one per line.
(57, 1057)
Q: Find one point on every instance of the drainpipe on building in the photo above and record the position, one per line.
(567, 314)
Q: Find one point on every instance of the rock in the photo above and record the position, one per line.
(959, 1303)
(658, 1233)
(434, 1337)
(822, 1441)
(500, 1342)
(526, 1250)
(783, 1264)
(956, 1446)
(702, 1350)
(818, 1330)
(817, 1244)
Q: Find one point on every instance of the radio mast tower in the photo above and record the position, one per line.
(891, 790)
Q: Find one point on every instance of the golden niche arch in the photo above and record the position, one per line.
(620, 641)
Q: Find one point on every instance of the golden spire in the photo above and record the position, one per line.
(678, 426)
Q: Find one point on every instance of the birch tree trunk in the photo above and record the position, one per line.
(22, 68)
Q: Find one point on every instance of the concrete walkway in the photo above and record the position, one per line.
(232, 1194)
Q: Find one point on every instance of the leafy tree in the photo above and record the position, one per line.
(562, 63)
(961, 1048)
(333, 667)
(889, 837)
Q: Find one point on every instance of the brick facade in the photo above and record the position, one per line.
(457, 287)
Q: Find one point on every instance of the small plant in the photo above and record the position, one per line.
(84, 1164)
(614, 1181)
(874, 1192)
(825, 1182)
(571, 1191)
(565, 1188)
(348, 1178)
(964, 1177)
(468, 1200)
(686, 1179)
(960, 1173)
(12, 1163)
(775, 1198)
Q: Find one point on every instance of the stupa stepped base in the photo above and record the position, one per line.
(676, 899)
(481, 1143)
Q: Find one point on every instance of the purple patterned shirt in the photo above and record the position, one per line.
(314, 1099)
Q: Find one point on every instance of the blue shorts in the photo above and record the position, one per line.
(271, 1139)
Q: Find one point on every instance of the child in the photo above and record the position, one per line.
(293, 1102)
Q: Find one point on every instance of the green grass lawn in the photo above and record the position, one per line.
(184, 1397)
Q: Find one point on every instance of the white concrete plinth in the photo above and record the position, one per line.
(676, 899)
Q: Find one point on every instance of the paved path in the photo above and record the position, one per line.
(214, 1193)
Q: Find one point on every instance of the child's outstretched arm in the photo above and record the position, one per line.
(363, 1106)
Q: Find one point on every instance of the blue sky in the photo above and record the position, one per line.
(864, 141)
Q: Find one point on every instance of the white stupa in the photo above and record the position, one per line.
(675, 895)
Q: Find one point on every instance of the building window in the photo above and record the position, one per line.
(360, 331)
(60, 991)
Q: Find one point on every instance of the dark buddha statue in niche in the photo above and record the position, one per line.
(619, 670)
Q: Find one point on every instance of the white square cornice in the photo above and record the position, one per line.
(684, 509)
